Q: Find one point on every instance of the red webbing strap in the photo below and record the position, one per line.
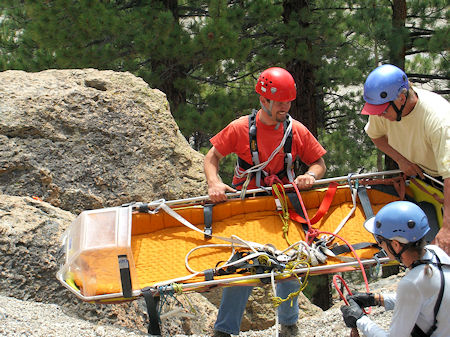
(323, 208)
(423, 189)
(397, 182)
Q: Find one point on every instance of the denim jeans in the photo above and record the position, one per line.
(234, 300)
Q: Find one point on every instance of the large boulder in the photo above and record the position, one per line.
(85, 139)
(29, 241)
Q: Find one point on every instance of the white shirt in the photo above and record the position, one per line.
(414, 302)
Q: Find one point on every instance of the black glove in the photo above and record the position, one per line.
(351, 313)
(364, 300)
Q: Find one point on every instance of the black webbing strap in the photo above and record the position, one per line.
(440, 295)
(418, 332)
(345, 249)
(209, 274)
(207, 218)
(125, 277)
(152, 311)
(254, 147)
(365, 201)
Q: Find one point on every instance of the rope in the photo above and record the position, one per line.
(245, 186)
(316, 232)
(259, 167)
(179, 290)
(354, 331)
(284, 213)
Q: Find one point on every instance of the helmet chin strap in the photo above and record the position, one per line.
(398, 256)
(400, 111)
(269, 111)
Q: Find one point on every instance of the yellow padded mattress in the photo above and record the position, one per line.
(159, 243)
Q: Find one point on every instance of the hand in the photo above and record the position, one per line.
(442, 239)
(217, 191)
(409, 168)
(304, 181)
(351, 313)
(363, 299)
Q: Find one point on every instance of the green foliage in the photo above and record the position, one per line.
(206, 55)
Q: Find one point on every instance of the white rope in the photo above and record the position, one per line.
(183, 221)
(274, 289)
(240, 174)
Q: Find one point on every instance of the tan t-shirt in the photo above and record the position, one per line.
(423, 136)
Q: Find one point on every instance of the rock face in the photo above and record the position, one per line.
(80, 139)
(84, 139)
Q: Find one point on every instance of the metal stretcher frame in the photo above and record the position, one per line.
(195, 286)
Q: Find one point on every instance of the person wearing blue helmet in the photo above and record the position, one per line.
(412, 126)
(422, 300)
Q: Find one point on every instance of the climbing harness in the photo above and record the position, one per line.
(247, 170)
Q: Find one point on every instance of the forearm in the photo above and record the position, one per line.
(383, 145)
(318, 168)
(442, 238)
(211, 167)
(409, 168)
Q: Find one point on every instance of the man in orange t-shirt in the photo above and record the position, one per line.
(272, 128)
(277, 89)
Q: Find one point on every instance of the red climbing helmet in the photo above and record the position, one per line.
(276, 84)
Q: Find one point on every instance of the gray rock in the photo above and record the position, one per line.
(85, 139)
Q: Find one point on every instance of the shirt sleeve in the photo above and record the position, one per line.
(389, 301)
(307, 147)
(369, 328)
(375, 127)
(405, 315)
(225, 140)
(407, 309)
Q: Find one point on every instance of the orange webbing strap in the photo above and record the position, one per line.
(397, 182)
(323, 208)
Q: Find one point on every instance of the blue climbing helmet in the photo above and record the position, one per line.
(403, 221)
(382, 86)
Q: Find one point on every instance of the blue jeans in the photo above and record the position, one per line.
(234, 300)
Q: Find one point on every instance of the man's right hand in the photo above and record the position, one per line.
(409, 168)
(217, 191)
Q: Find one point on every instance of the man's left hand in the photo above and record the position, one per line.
(351, 313)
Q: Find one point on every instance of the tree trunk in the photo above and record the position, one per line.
(397, 51)
(398, 41)
(304, 108)
(174, 70)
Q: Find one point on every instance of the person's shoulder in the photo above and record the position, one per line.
(296, 125)
(240, 121)
(443, 256)
(430, 98)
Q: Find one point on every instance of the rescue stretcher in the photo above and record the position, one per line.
(146, 249)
